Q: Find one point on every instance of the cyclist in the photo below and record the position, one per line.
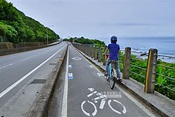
(114, 50)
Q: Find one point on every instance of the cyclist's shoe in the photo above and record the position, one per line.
(106, 74)
(119, 79)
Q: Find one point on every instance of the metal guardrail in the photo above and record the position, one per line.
(146, 70)
(139, 71)
(164, 75)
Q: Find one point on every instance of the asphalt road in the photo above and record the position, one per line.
(83, 91)
(17, 70)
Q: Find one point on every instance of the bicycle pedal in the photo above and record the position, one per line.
(108, 78)
(115, 79)
(119, 80)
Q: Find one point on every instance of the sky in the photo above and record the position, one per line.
(100, 19)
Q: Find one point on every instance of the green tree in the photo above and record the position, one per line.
(16, 27)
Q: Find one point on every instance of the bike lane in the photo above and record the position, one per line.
(89, 93)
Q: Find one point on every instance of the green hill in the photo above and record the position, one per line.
(16, 27)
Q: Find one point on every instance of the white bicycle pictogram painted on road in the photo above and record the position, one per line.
(103, 99)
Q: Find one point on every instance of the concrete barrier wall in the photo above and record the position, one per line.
(40, 107)
(17, 50)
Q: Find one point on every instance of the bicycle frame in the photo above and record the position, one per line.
(113, 67)
(112, 77)
(112, 70)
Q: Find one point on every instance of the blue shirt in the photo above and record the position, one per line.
(113, 51)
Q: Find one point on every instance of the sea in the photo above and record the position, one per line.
(164, 45)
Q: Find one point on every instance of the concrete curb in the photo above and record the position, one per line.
(40, 106)
(156, 108)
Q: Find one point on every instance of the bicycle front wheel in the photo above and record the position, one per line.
(111, 80)
(107, 78)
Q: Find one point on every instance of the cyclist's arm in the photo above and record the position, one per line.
(105, 53)
(106, 50)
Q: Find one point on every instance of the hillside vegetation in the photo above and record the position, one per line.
(82, 40)
(16, 27)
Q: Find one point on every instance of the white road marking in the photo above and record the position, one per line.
(86, 113)
(76, 58)
(70, 66)
(9, 65)
(64, 104)
(70, 76)
(95, 109)
(89, 95)
(2, 67)
(24, 77)
(100, 74)
(124, 109)
(83, 109)
(91, 89)
(102, 103)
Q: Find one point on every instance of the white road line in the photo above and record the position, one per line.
(64, 104)
(24, 77)
(5, 66)
(10, 64)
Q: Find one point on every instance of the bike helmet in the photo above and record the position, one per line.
(113, 39)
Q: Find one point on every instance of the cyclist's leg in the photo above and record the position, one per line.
(111, 73)
(118, 70)
(107, 67)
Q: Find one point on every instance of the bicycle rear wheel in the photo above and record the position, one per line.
(111, 80)
(107, 78)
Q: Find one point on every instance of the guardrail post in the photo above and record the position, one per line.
(88, 51)
(99, 54)
(104, 57)
(126, 65)
(80, 47)
(151, 71)
(91, 52)
(84, 48)
(96, 53)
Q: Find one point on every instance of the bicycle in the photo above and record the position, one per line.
(112, 77)
(102, 103)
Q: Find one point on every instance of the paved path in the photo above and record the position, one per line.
(85, 92)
